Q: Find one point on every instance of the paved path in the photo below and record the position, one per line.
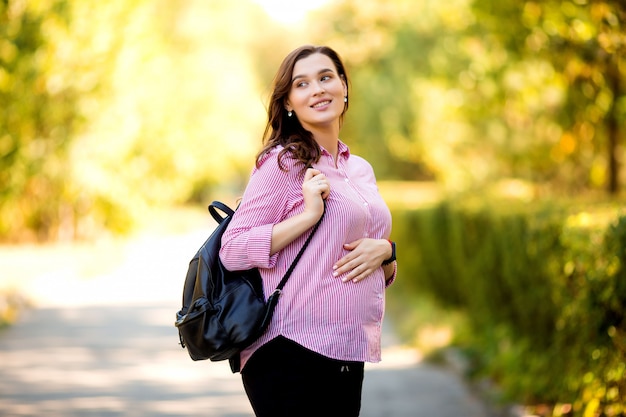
(89, 349)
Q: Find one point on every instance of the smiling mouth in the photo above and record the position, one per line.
(321, 104)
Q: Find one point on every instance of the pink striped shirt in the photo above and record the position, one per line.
(317, 310)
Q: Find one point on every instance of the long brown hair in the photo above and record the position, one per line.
(287, 131)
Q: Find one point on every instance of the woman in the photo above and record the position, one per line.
(328, 320)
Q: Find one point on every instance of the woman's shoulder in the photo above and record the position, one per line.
(360, 162)
(275, 159)
(269, 155)
(352, 158)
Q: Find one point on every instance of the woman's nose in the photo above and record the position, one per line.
(319, 89)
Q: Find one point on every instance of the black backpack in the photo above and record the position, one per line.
(224, 311)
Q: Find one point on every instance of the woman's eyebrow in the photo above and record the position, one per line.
(318, 73)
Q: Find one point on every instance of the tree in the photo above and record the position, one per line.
(110, 108)
(38, 117)
(471, 92)
(584, 42)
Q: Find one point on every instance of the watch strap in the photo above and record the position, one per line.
(393, 253)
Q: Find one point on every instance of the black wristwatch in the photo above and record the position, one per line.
(393, 254)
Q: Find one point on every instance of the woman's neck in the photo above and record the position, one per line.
(329, 140)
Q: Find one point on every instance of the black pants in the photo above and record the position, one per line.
(283, 379)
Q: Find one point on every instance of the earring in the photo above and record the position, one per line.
(345, 99)
(289, 113)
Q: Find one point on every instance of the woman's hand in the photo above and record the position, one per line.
(315, 189)
(366, 255)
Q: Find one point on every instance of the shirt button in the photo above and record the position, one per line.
(347, 180)
(365, 204)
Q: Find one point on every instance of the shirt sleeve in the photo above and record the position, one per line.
(392, 278)
(270, 194)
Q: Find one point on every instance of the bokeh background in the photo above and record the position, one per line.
(496, 129)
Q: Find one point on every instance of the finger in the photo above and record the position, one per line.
(341, 265)
(310, 173)
(352, 276)
(357, 274)
(352, 245)
(319, 179)
(349, 270)
(366, 272)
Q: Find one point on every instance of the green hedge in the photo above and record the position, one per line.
(543, 288)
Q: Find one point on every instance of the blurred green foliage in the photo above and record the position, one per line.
(37, 120)
(472, 91)
(543, 287)
(111, 108)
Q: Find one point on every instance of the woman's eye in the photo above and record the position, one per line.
(325, 77)
(301, 84)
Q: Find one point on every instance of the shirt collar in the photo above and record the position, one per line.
(342, 150)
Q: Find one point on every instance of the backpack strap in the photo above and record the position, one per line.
(221, 206)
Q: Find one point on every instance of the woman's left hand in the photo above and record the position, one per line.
(366, 255)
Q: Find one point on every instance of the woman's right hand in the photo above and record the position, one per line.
(315, 189)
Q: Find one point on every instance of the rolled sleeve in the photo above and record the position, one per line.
(249, 250)
(259, 246)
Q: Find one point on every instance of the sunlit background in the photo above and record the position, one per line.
(496, 129)
(113, 109)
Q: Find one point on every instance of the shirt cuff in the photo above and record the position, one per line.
(392, 278)
(259, 246)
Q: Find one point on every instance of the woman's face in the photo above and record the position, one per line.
(317, 92)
